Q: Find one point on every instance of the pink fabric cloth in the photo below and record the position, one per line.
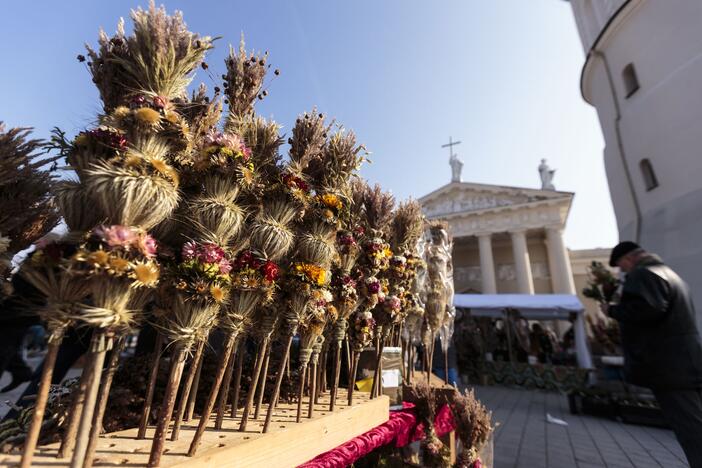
(402, 428)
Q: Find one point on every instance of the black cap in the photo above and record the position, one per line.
(620, 250)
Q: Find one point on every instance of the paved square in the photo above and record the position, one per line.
(524, 438)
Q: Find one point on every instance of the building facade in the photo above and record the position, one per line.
(509, 240)
(642, 72)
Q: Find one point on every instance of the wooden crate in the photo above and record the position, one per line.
(286, 444)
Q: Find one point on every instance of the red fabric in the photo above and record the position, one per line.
(402, 428)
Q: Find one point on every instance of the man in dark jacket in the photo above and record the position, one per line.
(661, 341)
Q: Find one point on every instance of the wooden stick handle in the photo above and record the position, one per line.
(301, 392)
(166, 411)
(352, 375)
(313, 391)
(99, 349)
(209, 406)
(146, 410)
(223, 397)
(278, 381)
(42, 397)
(262, 381)
(337, 372)
(69, 436)
(185, 394)
(241, 352)
(102, 402)
(192, 395)
(248, 406)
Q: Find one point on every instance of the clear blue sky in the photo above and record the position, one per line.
(500, 75)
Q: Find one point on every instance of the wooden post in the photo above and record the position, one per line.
(146, 410)
(192, 395)
(241, 352)
(376, 372)
(98, 346)
(313, 390)
(337, 371)
(278, 381)
(446, 366)
(77, 403)
(169, 398)
(209, 406)
(430, 360)
(262, 381)
(254, 382)
(47, 372)
(102, 402)
(185, 394)
(224, 391)
(300, 392)
(352, 375)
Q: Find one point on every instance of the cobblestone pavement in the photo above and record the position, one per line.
(524, 438)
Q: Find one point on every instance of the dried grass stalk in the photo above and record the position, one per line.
(216, 212)
(159, 57)
(316, 247)
(76, 206)
(244, 79)
(186, 322)
(128, 199)
(263, 137)
(407, 226)
(270, 232)
(473, 425)
(109, 306)
(26, 209)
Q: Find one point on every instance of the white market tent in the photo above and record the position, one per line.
(533, 307)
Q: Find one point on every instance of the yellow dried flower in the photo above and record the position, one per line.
(332, 201)
(118, 265)
(98, 258)
(172, 117)
(217, 293)
(147, 116)
(120, 112)
(145, 274)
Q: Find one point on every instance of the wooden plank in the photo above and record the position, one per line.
(286, 444)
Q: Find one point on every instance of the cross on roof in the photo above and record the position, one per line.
(450, 145)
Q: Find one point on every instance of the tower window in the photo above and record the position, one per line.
(631, 81)
(649, 175)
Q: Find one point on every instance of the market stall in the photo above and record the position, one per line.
(532, 307)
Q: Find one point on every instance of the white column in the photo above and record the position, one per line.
(487, 264)
(559, 262)
(522, 264)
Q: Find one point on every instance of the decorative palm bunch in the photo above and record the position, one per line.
(601, 283)
(330, 174)
(126, 168)
(439, 288)
(269, 232)
(26, 209)
(434, 452)
(473, 425)
(371, 266)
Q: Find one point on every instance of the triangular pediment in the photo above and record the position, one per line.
(466, 197)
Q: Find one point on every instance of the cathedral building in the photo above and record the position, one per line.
(509, 240)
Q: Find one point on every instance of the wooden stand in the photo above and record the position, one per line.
(286, 443)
